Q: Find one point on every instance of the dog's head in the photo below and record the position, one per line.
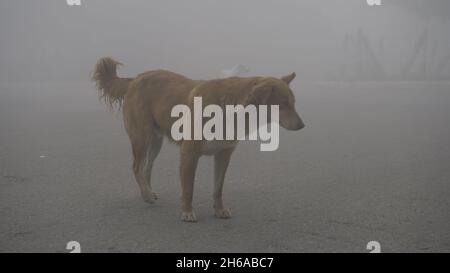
(273, 91)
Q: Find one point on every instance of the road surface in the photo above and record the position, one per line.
(372, 164)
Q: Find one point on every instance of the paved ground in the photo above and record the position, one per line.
(373, 163)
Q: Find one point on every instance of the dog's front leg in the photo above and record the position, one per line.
(188, 165)
(221, 161)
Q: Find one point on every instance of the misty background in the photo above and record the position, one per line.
(372, 163)
(320, 40)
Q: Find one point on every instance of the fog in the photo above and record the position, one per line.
(320, 40)
(371, 164)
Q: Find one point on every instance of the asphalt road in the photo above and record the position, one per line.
(373, 163)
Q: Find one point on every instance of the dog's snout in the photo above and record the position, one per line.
(294, 125)
(300, 125)
(292, 121)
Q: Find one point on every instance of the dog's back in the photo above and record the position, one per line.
(156, 93)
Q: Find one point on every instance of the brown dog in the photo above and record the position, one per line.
(147, 103)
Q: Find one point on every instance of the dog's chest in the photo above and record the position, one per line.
(214, 146)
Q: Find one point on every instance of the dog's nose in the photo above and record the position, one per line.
(296, 126)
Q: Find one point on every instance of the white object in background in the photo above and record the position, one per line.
(238, 70)
(374, 2)
(73, 2)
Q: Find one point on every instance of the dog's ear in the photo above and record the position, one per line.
(289, 78)
(260, 94)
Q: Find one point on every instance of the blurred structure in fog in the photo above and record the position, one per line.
(419, 53)
(424, 62)
(363, 63)
(237, 70)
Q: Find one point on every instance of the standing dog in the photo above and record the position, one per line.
(147, 102)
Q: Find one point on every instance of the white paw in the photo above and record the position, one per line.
(223, 213)
(188, 217)
(150, 197)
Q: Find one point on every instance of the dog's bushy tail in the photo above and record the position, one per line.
(112, 89)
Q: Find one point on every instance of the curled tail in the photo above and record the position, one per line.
(112, 89)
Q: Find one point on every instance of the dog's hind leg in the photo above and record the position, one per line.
(152, 150)
(146, 143)
(140, 169)
(145, 137)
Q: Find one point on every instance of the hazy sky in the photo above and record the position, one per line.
(50, 41)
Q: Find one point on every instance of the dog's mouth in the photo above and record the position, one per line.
(293, 126)
(292, 122)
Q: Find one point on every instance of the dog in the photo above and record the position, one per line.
(147, 100)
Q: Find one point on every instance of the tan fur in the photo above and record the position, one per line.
(148, 100)
(111, 88)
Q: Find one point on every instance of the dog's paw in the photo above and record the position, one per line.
(188, 217)
(150, 197)
(223, 213)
